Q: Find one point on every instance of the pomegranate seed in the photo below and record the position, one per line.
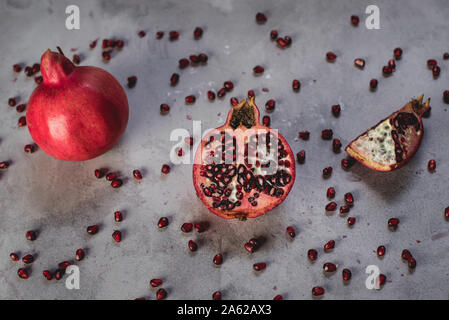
(446, 96)
(446, 55)
(105, 43)
(258, 70)
(117, 235)
(190, 99)
(259, 266)
(346, 274)
(163, 222)
(164, 109)
(36, 67)
(344, 209)
(132, 81)
(183, 63)
(12, 102)
(118, 216)
(329, 246)
(161, 294)
(381, 251)
(266, 121)
(111, 176)
(274, 34)
(218, 259)
(29, 148)
(329, 267)
(278, 297)
(446, 213)
(120, 44)
(349, 199)
(301, 156)
(336, 109)
(387, 70)
(173, 35)
(22, 121)
(406, 254)
(17, 68)
(117, 183)
(99, 173)
(137, 174)
(270, 105)
(28, 259)
(174, 79)
(261, 18)
(351, 221)
(31, 235)
(304, 135)
(317, 291)
(331, 206)
(63, 265)
(21, 107)
(23, 273)
(331, 57)
(106, 55)
(382, 279)
(397, 53)
(330, 193)
(47, 274)
(327, 134)
(200, 227)
(159, 35)
(251, 94)
(234, 101)
(393, 224)
(193, 246)
(281, 43)
(93, 229)
(221, 93)
(211, 95)
(187, 227)
(355, 20)
(312, 254)
(436, 71)
(373, 84)
(79, 255)
(38, 80)
(431, 165)
(194, 59)
(76, 59)
(180, 152)
(4, 165)
(141, 33)
(203, 57)
(156, 282)
(296, 85)
(392, 64)
(165, 169)
(359, 63)
(327, 172)
(411, 263)
(431, 63)
(197, 33)
(59, 274)
(250, 247)
(426, 113)
(228, 85)
(347, 163)
(288, 40)
(14, 256)
(28, 71)
(255, 243)
(336, 145)
(291, 231)
(216, 295)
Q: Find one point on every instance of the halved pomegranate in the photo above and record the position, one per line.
(392, 142)
(243, 169)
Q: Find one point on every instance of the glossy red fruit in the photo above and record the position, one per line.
(80, 254)
(329, 267)
(197, 33)
(218, 259)
(259, 266)
(381, 251)
(250, 247)
(355, 20)
(203, 58)
(392, 142)
(156, 283)
(47, 274)
(14, 256)
(405, 255)
(393, 224)
(163, 222)
(349, 199)
(27, 259)
(261, 18)
(183, 63)
(397, 53)
(233, 101)
(217, 295)
(359, 63)
(312, 254)
(117, 183)
(194, 59)
(211, 95)
(187, 227)
(31, 235)
(200, 227)
(431, 166)
(193, 246)
(392, 64)
(161, 294)
(317, 291)
(111, 176)
(373, 84)
(251, 94)
(165, 169)
(278, 297)
(336, 109)
(258, 70)
(23, 273)
(296, 85)
(301, 156)
(346, 274)
(331, 206)
(387, 70)
(291, 231)
(331, 57)
(77, 113)
(327, 134)
(117, 235)
(137, 174)
(224, 181)
(93, 229)
(329, 246)
(4, 165)
(351, 221)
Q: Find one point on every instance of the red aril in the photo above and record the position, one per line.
(291, 232)
(23, 273)
(235, 181)
(211, 95)
(351, 221)
(317, 291)
(117, 235)
(137, 174)
(161, 294)
(27, 259)
(346, 274)
(47, 274)
(93, 229)
(117, 183)
(397, 53)
(381, 251)
(193, 246)
(31, 235)
(393, 224)
(330, 245)
(329, 267)
(14, 256)
(218, 259)
(156, 282)
(163, 222)
(312, 254)
(331, 57)
(77, 113)
(259, 266)
(216, 295)
(330, 193)
(79, 255)
(355, 20)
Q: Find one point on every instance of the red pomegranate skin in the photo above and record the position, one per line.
(78, 112)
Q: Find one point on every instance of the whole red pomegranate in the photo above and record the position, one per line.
(77, 113)
(392, 142)
(243, 169)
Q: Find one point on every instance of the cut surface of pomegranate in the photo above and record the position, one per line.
(392, 142)
(243, 169)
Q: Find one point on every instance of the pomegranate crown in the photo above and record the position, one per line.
(244, 114)
(55, 66)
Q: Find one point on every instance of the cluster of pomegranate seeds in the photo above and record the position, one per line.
(266, 121)
(137, 174)
(327, 172)
(330, 245)
(270, 105)
(291, 231)
(331, 57)
(431, 166)
(31, 235)
(29, 148)
(261, 18)
(164, 109)
(393, 224)
(173, 35)
(218, 259)
(432, 64)
(301, 156)
(93, 229)
(163, 222)
(76, 59)
(259, 266)
(346, 274)
(330, 193)
(165, 169)
(355, 20)
(217, 295)
(258, 70)
(381, 251)
(190, 99)
(252, 245)
(132, 82)
(359, 63)
(117, 235)
(80, 254)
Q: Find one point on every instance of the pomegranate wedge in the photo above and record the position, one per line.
(391, 143)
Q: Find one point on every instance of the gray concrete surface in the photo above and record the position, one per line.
(61, 198)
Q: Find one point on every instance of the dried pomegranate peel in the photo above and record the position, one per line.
(243, 169)
(391, 143)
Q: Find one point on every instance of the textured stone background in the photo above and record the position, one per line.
(61, 198)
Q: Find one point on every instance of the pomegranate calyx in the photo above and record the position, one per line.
(245, 113)
(417, 105)
(55, 67)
